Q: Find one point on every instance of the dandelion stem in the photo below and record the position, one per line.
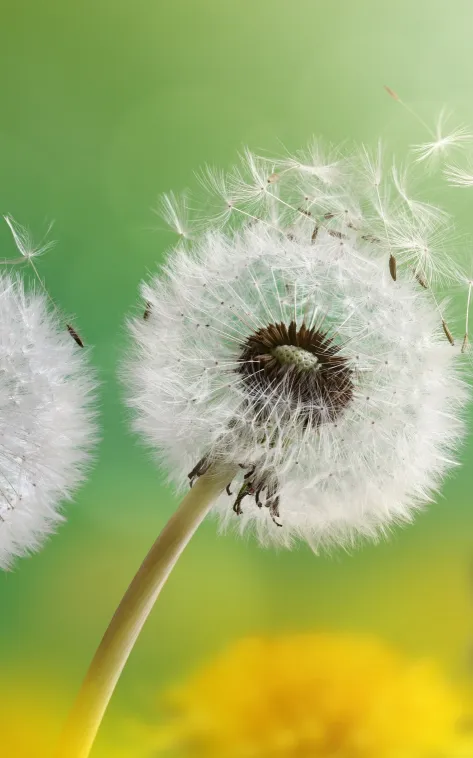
(123, 631)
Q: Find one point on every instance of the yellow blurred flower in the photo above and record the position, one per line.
(314, 696)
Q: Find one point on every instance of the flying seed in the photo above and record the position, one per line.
(391, 92)
(393, 267)
(314, 234)
(448, 333)
(147, 312)
(464, 343)
(74, 335)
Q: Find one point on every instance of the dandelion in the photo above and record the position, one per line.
(299, 362)
(46, 419)
(296, 368)
(310, 371)
(313, 695)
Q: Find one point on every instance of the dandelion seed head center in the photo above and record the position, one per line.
(291, 355)
(302, 366)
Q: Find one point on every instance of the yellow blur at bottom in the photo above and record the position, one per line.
(293, 696)
(314, 696)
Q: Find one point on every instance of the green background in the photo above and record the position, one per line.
(104, 105)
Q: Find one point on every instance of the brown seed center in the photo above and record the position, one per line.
(302, 367)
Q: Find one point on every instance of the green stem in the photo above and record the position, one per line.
(130, 616)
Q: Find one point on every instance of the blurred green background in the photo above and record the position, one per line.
(104, 105)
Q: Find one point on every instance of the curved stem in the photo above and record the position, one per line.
(130, 616)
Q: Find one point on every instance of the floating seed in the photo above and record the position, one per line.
(391, 92)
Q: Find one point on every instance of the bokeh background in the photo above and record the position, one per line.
(103, 106)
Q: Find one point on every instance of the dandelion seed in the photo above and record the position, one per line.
(448, 333)
(24, 241)
(391, 92)
(444, 142)
(423, 244)
(75, 336)
(175, 212)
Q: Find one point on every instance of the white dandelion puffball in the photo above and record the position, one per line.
(47, 422)
(305, 346)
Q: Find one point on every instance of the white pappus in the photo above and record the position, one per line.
(305, 345)
(47, 421)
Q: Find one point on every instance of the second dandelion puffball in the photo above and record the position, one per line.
(286, 347)
(47, 426)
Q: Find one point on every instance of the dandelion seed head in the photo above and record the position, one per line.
(292, 352)
(47, 426)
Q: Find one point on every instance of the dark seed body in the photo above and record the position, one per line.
(74, 335)
(448, 333)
